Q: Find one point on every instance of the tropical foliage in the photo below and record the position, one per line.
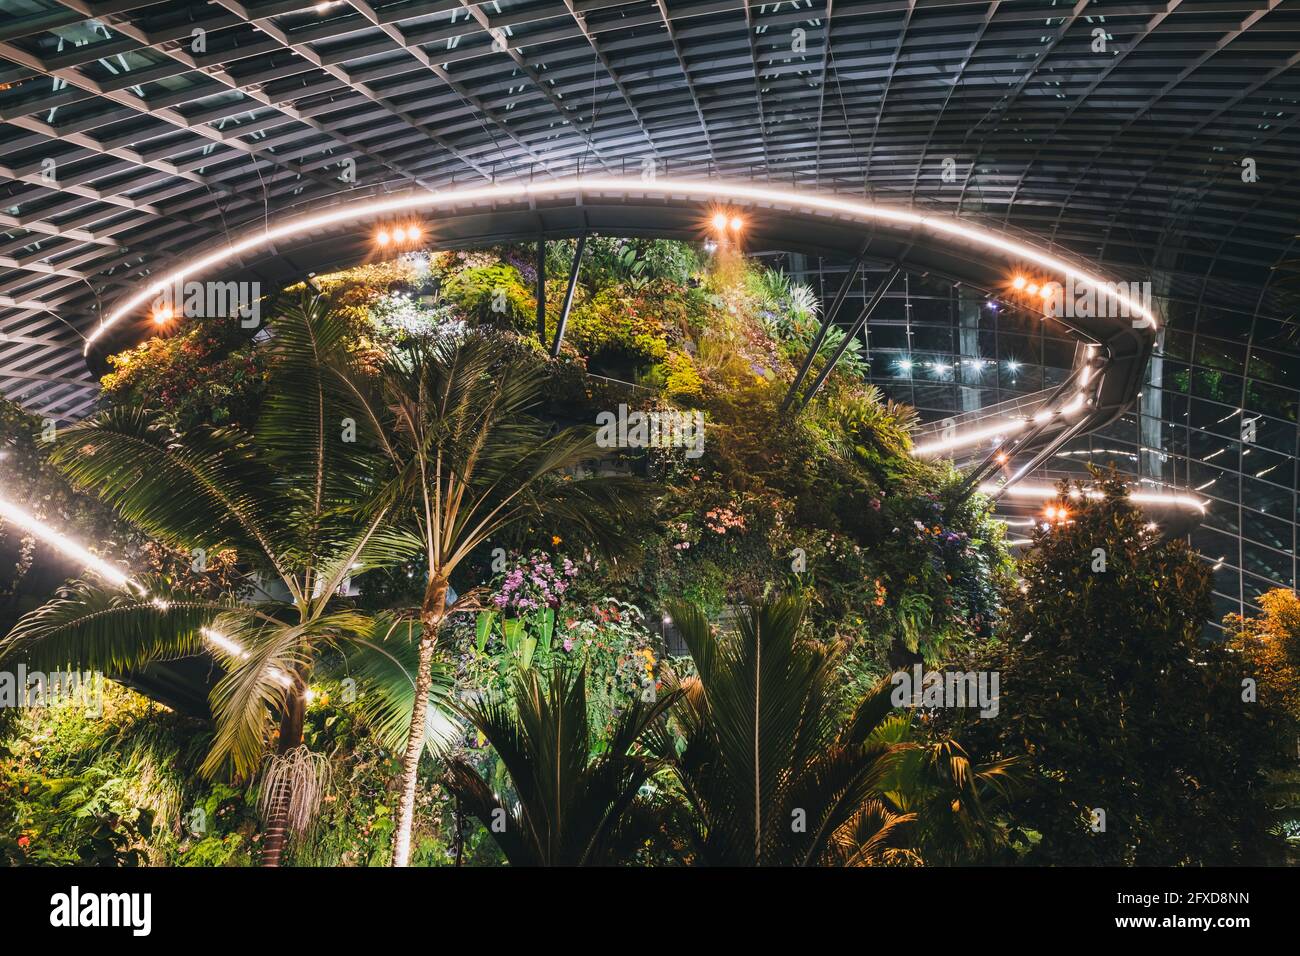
(1145, 749)
(396, 604)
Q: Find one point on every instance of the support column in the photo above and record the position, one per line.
(968, 347)
(859, 323)
(541, 290)
(828, 317)
(568, 295)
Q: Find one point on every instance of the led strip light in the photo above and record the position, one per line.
(1045, 492)
(702, 190)
(65, 545)
(1009, 426)
(114, 575)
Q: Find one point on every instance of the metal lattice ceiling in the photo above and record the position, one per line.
(133, 130)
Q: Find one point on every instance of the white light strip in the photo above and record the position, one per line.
(703, 190)
(60, 542)
(223, 642)
(234, 649)
(1074, 406)
(1007, 427)
(1141, 497)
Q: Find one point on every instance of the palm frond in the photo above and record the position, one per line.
(382, 657)
(257, 682)
(88, 626)
(572, 808)
(208, 490)
(303, 428)
(763, 758)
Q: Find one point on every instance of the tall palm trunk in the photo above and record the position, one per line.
(431, 615)
(277, 821)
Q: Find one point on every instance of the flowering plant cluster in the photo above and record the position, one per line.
(533, 583)
(722, 520)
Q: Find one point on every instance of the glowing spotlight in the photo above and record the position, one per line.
(1013, 365)
(905, 365)
(399, 234)
(1018, 282)
(736, 224)
(382, 237)
(1031, 288)
(162, 314)
(1046, 291)
(720, 221)
(1001, 458)
(413, 233)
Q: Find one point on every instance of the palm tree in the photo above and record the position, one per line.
(453, 416)
(285, 498)
(772, 773)
(953, 798)
(571, 808)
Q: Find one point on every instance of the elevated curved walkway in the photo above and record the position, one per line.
(1110, 360)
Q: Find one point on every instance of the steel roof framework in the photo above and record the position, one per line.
(1112, 129)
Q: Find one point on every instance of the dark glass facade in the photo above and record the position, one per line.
(1217, 416)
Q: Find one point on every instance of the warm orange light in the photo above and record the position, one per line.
(1051, 512)
(737, 224)
(382, 237)
(162, 314)
(1046, 291)
(1031, 288)
(1001, 458)
(720, 221)
(399, 234)
(413, 232)
(1018, 282)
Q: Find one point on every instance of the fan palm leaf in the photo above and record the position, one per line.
(571, 808)
(770, 770)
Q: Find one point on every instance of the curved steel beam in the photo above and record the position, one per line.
(817, 222)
